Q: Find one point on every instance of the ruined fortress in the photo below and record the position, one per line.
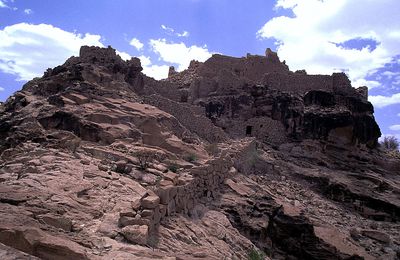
(99, 161)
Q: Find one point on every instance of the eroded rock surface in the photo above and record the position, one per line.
(232, 155)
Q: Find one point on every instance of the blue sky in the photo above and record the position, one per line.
(359, 37)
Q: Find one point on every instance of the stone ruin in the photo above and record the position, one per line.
(259, 96)
(233, 141)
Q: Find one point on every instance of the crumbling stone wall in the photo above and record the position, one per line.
(180, 193)
(252, 67)
(189, 117)
(297, 82)
(165, 89)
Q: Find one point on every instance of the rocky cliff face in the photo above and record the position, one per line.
(230, 156)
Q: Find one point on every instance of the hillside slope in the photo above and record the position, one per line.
(233, 155)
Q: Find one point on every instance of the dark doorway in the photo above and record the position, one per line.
(184, 97)
(249, 128)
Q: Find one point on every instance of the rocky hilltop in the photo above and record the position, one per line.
(228, 159)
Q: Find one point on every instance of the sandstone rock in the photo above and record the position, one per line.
(42, 245)
(136, 204)
(147, 213)
(377, 235)
(150, 202)
(136, 234)
(56, 221)
(103, 167)
(127, 214)
(129, 221)
(160, 167)
(239, 188)
(171, 208)
(162, 210)
(9, 253)
(165, 183)
(164, 194)
(150, 178)
(170, 176)
(123, 167)
(355, 233)
(109, 226)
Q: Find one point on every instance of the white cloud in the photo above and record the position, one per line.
(396, 81)
(125, 56)
(383, 101)
(1, 89)
(390, 74)
(398, 114)
(166, 28)
(27, 50)
(395, 127)
(183, 34)
(308, 40)
(171, 31)
(156, 71)
(144, 60)
(369, 83)
(136, 43)
(179, 53)
(28, 11)
(5, 4)
(2, 4)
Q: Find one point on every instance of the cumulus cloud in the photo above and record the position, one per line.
(156, 71)
(363, 82)
(28, 11)
(395, 127)
(26, 50)
(179, 53)
(1, 89)
(2, 4)
(136, 43)
(314, 37)
(125, 56)
(384, 101)
(171, 31)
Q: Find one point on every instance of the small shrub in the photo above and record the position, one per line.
(191, 158)
(253, 157)
(255, 254)
(145, 158)
(212, 149)
(173, 167)
(158, 180)
(390, 143)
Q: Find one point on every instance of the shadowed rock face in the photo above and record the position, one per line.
(98, 161)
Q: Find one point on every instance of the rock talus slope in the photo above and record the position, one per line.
(228, 158)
